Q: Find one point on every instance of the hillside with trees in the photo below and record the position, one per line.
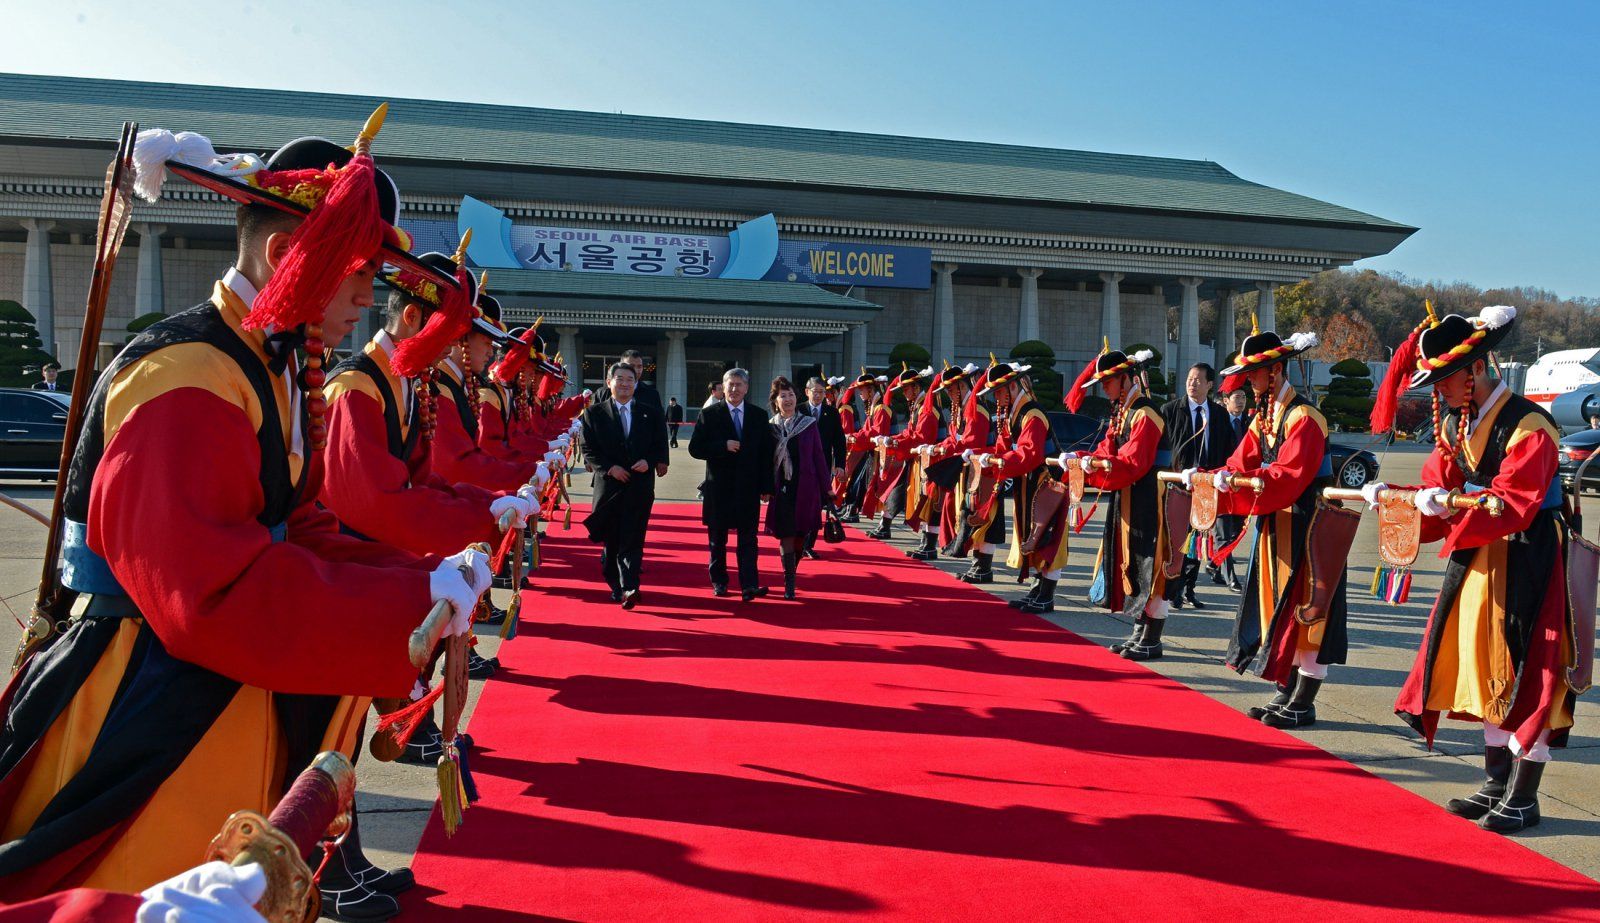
(1359, 313)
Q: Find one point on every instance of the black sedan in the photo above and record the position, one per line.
(1575, 450)
(33, 425)
(1352, 467)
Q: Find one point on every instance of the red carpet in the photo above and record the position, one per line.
(898, 744)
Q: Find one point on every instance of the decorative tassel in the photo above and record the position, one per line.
(1075, 394)
(449, 323)
(1084, 517)
(1219, 555)
(1233, 383)
(405, 721)
(469, 787)
(339, 236)
(452, 797)
(1391, 584)
(497, 561)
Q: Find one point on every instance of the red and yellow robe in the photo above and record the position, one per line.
(878, 423)
(847, 424)
(1499, 638)
(456, 455)
(227, 626)
(971, 431)
(395, 500)
(1020, 450)
(922, 429)
(1290, 456)
(1133, 549)
(495, 422)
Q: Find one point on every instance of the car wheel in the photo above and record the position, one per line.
(1354, 474)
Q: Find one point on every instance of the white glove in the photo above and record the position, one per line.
(588, 393)
(522, 507)
(1223, 480)
(541, 476)
(1188, 476)
(1429, 501)
(562, 441)
(983, 459)
(554, 458)
(1370, 490)
(967, 454)
(880, 440)
(1065, 457)
(926, 450)
(447, 583)
(215, 891)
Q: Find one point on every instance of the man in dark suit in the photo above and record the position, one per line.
(50, 371)
(625, 444)
(1198, 430)
(674, 420)
(1228, 527)
(735, 441)
(833, 444)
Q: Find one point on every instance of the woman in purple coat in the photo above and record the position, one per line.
(800, 477)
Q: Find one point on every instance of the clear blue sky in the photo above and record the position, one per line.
(1478, 122)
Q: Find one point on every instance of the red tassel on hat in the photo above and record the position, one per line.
(447, 324)
(1075, 394)
(337, 238)
(1398, 378)
(505, 371)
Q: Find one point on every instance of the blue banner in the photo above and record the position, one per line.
(752, 251)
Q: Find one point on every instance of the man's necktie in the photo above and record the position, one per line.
(738, 422)
(627, 421)
(1199, 427)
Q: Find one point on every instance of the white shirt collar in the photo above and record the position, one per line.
(739, 406)
(1494, 397)
(625, 405)
(454, 368)
(244, 288)
(385, 342)
(1194, 405)
(1282, 390)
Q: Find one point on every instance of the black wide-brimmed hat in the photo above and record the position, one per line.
(1456, 342)
(1115, 362)
(294, 179)
(907, 377)
(866, 379)
(1266, 347)
(1002, 373)
(953, 374)
(425, 282)
(487, 319)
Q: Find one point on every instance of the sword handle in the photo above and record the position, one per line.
(1456, 500)
(317, 802)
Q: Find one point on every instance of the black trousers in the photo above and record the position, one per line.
(672, 434)
(746, 553)
(619, 561)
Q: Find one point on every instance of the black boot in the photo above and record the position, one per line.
(383, 881)
(1300, 711)
(982, 569)
(885, 528)
(1046, 600)
(1233, 577)
(791, 561)
(1257, 712)
(425, 746)
(481, 667)
(1497, 771)
(1148, 647)
(1021, 602)
(344, 897)
(494, 616)
(1133, 637)
(929, 549)
(1520, 809)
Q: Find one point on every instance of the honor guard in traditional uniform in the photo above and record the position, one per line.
(1022, 443)
(862, 462)
(941, 460)
(1501, 647)
(225, 630)
(1130, 567)
(457, 453)
(896, 469)
(1275, 476)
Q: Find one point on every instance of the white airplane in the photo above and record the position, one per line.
(1566, 383)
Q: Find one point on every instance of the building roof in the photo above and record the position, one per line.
(448, 133)
(669, 290)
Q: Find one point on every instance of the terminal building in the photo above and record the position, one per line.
(703, 244)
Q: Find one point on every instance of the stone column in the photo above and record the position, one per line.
(1110, 311)
(37, 294)
(674, 377)
(855, 350)
(568, 347)
(1189, 323)
(760, 372)
(148, 293)
(1267, 308)
(944, 312)
(782, 359)
(1028, 310)
(1223, 347)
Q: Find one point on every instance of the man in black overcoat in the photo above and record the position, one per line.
(735, 441)
(1200, 436)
